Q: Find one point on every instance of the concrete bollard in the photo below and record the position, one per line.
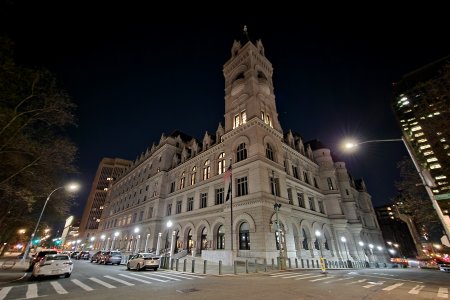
(246, 266)
(256, 265)
(220, 267)
(235, 267)
(171, 263)
(265, 265)
(204, 266)
(184, 265)
(303, 264)
(176, 264)
(193, 266)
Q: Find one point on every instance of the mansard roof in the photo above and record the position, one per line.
(184, 137)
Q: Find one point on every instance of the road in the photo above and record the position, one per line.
(92, 281)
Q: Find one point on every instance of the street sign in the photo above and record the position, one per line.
(442, 196)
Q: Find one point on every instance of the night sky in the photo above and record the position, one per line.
(138, 72)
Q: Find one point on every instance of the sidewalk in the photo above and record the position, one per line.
(12, 268)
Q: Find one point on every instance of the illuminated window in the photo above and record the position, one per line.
(437, 113)
(431, 159)
(206, 169)
(424, 147)
(438, 133)
(240, 119)
(418, 134)
(193, 175)
(416, 128)
(221, 163)
(422, 140)
(243, 117)
(435, 166)
(236, 121)
(440, 177)
(426, 153)
(443, 140)
(414, 123)
(182, 180)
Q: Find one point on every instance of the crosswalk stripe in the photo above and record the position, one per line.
(309, 277)
(281, 274)
(415, 290)
(171, 278)
(186, 274)
(82, 285)
(4, 291)
(137, 279)
(119, 280)
(394, 286)
(334, 280)
(442, 293)
(319, 279)
(298, 275)
(368, 286)
(150, 277)
(32, 291)
(58, 287)
(180, 276)
(357, 281)
(105, 284)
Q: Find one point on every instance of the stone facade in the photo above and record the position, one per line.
(181, 180)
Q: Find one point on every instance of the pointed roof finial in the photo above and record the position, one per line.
(245, 29)
(246, 33)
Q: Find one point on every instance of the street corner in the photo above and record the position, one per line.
(7, 277)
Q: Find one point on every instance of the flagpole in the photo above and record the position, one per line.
(231, 205)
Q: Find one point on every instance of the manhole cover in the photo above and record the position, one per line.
(185, 291)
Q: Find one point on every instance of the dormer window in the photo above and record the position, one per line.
(240, 119)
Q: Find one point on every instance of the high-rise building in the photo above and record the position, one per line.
(422, 106)
(288, 197)
(108, 169)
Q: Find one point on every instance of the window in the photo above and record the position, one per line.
(194, 170)
(269, 152)
(190, 203)
(221, 238)
(330, 183)
(236, 121)
(182, 179)
(178, 209)
(240, 119)
(289, 192)
(244, 236)
(242, 188)
(169, 209)
(347, 192)
(221, 163)
(301, 199)
(150, 212)
(315, 182)
(321, 209)
(206, 169)
(172, 187)
(141, 215)
(312, 205)
(203, 200)
(275, 184)
(295, 172)
(241, 152)
(305, 240)
(243, 117)
(305, 177)
(219, 196)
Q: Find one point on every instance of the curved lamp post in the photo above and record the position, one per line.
(322, 261)
(344, 240)
(70, 188)
(425, 176)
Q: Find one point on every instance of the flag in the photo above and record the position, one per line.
(227, 178)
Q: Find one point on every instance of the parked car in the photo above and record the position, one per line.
(37, 257)
(53, 265)
(143, 261)
(83, 255)
(111, 257)
(96, 256)
(444, 267)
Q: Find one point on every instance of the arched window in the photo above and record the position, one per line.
(221, 237)
(206, 169)
(193, 174)
(204, 239)
(305, 240)
(269, 151)
(182, 179)
(244, 236)
(241, 152)
(221, 163)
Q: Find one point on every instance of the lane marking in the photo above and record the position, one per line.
(309, 277)
(416, 290)
(321, 278)
(149, 277)
(298, 275)
(443, 293)
(184, 273)
(339, 279)
(394, 286)
(101, 282)
(58, 287)
(82, 285)
(4, 291)
(168, 277)
(32, 291)
(137, 279)
(119, 280)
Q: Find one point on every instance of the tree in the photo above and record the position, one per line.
(413, 200)
(35, 154)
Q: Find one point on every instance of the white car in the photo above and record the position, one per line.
(53, 265)
(142, 261)
(444, 267)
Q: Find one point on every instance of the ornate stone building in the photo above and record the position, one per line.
(181, 180)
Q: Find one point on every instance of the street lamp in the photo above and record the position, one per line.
(371, 251)
(425, 176)
(70, 188)
(102, 246)
(92, 242)
(138, 237)
(361, 243)
(322, 262)
(276, 207)
(344, 240)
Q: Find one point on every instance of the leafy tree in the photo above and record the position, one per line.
(35, 155)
